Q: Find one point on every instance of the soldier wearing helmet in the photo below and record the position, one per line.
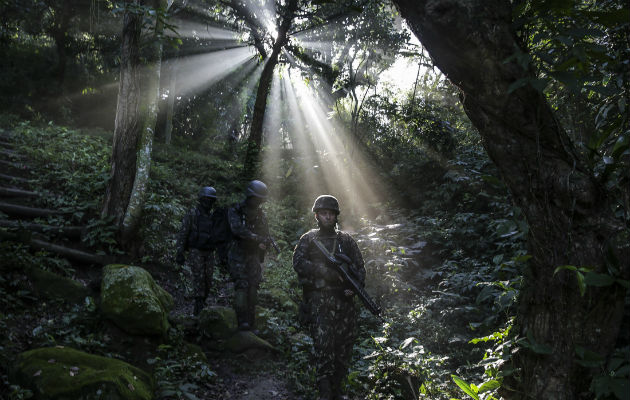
(250, 233)
(194, 236)
(328, 308)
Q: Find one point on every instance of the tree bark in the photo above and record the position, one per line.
(569, 215)
(136, 116)
(128, 120)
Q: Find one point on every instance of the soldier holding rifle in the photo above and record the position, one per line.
(325, 259)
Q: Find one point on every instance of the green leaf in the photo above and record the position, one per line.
(407, 342)
(599, 280)
(581, 284)
(489, 385)
(569, 267)
(465, 387)
(624, 282)
(621, 388)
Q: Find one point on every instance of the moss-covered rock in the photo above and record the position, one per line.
(53, 286)
(217, 322)
(133, 301)
(247, 340)
(58, 373)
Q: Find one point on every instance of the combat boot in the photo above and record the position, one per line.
(240, 307)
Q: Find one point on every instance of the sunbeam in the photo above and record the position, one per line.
(187, 29)
(198, 72)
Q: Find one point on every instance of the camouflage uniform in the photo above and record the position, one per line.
(249, 228)
(194, 236)
(329, 314)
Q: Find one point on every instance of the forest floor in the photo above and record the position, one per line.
(424, 267)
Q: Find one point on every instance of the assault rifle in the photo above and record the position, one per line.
(342, 266)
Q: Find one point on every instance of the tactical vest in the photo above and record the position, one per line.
(334, 246)
(200, 230)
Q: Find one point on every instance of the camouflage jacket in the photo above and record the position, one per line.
(311, 265)
(249, 227)
(195, 231)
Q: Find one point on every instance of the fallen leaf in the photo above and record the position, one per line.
(51, 361)
(38, 373)
(72, 373)
(74, 369)
(130, 386)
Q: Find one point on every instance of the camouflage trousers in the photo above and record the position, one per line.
(199, 274)
(246, 272)
(331, 321)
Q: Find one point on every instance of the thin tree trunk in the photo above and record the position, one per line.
(170, 101)
(128, 120)
(570, 219)
(145, 145)
(136, 114)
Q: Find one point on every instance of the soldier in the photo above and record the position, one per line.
(250, 232)
(194, 236)
(328, 308)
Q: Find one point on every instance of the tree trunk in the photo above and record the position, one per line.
(136, 115)
(128, 120)
(570, 218)
(170, 100)
(255, 136)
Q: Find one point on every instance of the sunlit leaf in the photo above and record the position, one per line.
(465, 387)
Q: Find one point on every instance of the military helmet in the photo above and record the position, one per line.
(208, 191)
(327, 202)
(256, 189)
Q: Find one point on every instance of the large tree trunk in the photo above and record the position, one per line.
(254, 141)
(569, 215)
(136, 115)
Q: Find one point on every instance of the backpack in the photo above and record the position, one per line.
(220, 234)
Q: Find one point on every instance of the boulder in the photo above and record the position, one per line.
(133, 301)
(53, 286)
(217, 322)
(61, 373)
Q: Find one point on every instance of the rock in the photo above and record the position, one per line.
(247, 340)
(64, 373)
(282, 299)
(217, 322)
(53, 286)
(133, 301)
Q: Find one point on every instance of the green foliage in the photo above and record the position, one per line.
(180, 373)
(581, 53)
